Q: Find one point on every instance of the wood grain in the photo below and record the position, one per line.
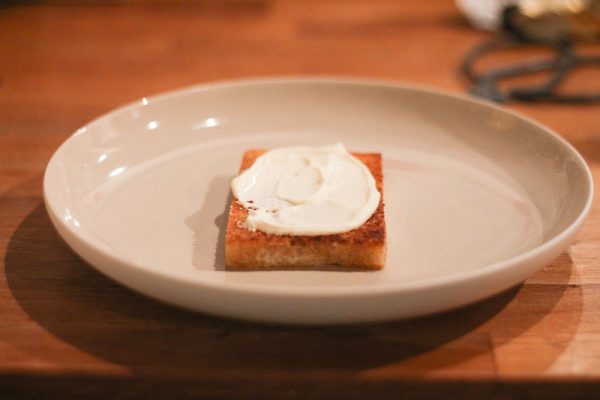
(66, 331)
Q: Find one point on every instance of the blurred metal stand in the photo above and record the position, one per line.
(555, 25)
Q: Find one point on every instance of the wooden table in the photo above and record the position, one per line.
(66, 330)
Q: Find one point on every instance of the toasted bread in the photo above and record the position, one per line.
(361, 248)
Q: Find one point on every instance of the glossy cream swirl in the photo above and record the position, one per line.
(307, 191)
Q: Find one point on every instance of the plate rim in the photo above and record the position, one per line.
(415, 285)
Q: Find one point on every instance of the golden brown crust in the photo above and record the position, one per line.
(363, 247)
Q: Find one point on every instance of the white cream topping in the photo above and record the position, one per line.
(307, 191)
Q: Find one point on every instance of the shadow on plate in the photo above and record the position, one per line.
(204, 234)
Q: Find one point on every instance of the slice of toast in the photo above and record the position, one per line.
(361, 248)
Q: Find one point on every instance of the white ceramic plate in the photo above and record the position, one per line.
(477, 197)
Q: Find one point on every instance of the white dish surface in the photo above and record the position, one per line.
(476, 198)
